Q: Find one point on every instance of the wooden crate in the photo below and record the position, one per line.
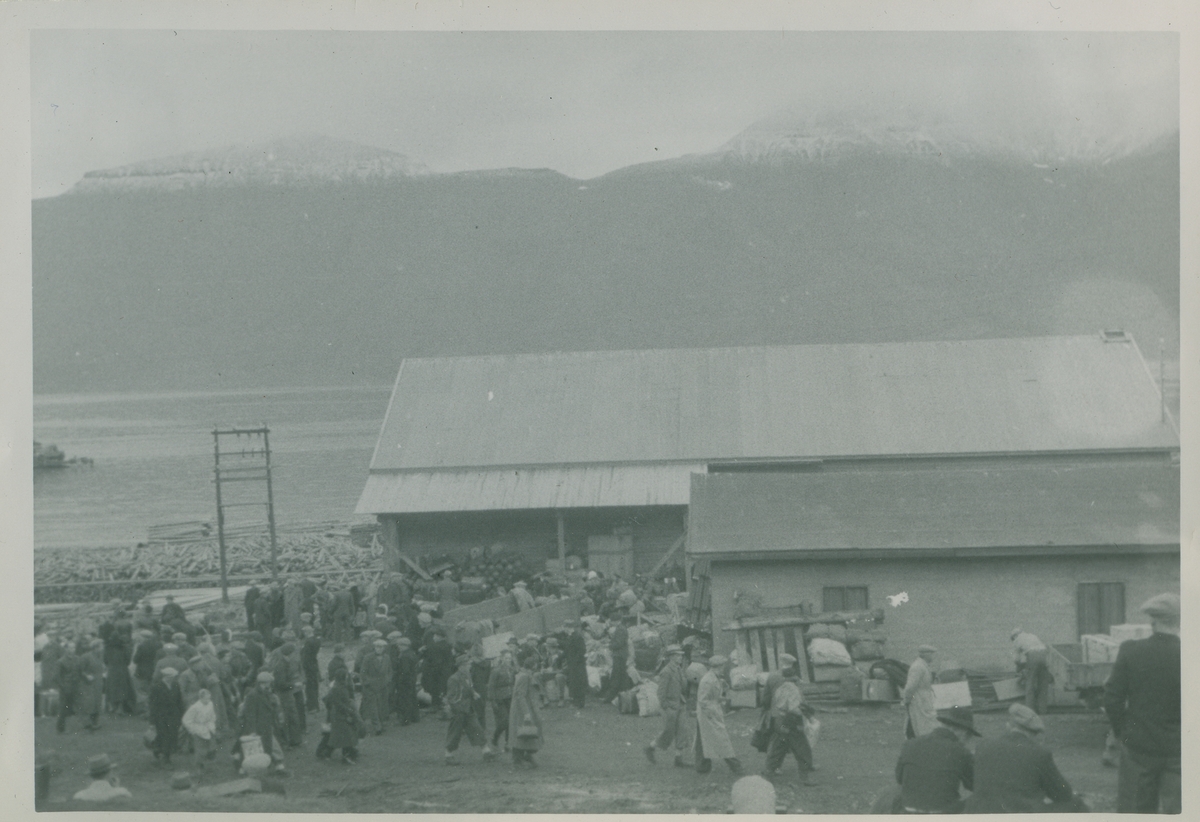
(951, 695)
(763, 646)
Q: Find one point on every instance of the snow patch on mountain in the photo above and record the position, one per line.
(299, 160)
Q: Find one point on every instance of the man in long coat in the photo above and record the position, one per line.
(1015, 774)
(575, 664)
(118, 685)
(1030, 654)
(342, 615)
(293, 599)
(373, 674)
(1143, 702)
(439, 665)
(311, 667)
(917, 695)
(343, 719)
(408, 665)
(460, 701)
(250, 600)
(712, 740)
(91, 685)
(66, 679)
(166, 714)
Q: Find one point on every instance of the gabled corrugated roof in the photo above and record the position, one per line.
(1033, 506)
(811, 401)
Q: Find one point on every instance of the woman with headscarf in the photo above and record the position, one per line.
(524, 719)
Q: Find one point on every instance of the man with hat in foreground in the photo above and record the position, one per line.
(671, 689)
(932, 766)
(166, 714)
(1142, 700)
(917, 695)
(1030, 654)
(1015, 774)
(105, 785)
(712, 740)
(460, 701)
(787, 715)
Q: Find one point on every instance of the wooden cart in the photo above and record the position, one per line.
(1071, 673)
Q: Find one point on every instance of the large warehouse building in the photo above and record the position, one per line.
(996, 482)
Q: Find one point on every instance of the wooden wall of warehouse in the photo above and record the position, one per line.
(965, 607)
(534, 534)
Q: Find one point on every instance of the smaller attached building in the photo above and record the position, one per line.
(1059, 550)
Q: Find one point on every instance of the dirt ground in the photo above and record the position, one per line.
(592, 763)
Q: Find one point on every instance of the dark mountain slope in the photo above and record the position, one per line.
(333, 283)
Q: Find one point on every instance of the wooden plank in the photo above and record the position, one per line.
(769, 639)
(743, 647)
(802, 655)
(755, 649)
(675, 546)
(780, 648)
(806, 619)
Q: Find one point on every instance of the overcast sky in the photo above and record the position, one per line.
(582, 103)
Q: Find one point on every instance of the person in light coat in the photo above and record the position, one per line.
(200, 721)
(712, 740)
(917, 695)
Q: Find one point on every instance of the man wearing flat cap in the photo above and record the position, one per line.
(671, 690)
(374, 676)
(105, 785)
(460, 701)
(575, 663)
(917, 695)
(1015, 774)
(932, 766)
(1142, 700)
(787, 715)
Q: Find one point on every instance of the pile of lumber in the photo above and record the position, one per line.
(86, 574)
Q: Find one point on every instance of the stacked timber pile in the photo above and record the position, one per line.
(91, 574)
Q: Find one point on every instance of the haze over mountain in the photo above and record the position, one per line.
(316, 262)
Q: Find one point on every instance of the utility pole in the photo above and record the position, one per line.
(255, 467)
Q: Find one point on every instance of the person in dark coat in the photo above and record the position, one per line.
(575, 664)
(337, 663)
(342, 615)
(67, 678)
(1014, 774)
(481, 673)
(284, 677)
(1143, 704)
(344, 721)
(145, 654)
(259, 715)
(171, 612)
(408, 665)
(166, 714)
(262, 614)
(932, 766)
(251, 600)
(460, 700)
(255, 651)
(618, 643)
(118, 685)
(90, 694)
(439, 664)
(499, 693)
(311, 668)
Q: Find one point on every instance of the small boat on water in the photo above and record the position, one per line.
(50, 456)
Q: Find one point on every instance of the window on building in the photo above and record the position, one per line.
(845, 598)
(1101, 606)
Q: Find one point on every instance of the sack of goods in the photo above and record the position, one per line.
(627, 701)
(647, 698)
(823, 630)
(828, 652)
(866, 649)
(743, 677)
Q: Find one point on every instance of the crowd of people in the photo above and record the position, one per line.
(205, 690)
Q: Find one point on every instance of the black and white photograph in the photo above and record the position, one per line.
(490, 417)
